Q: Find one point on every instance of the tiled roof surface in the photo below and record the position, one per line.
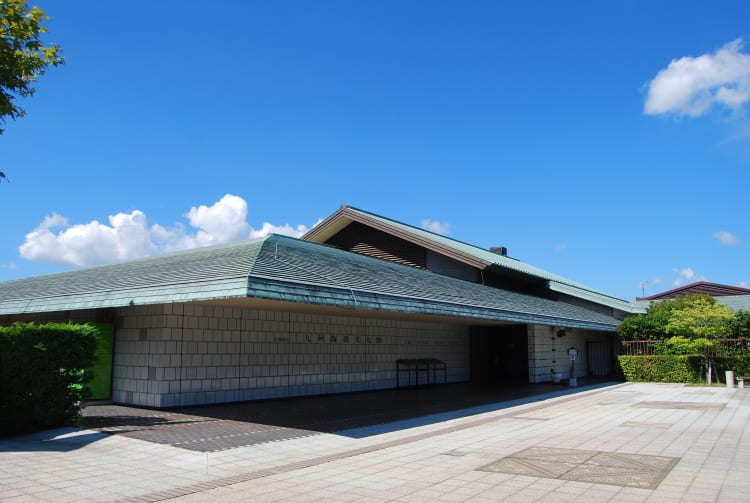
(361, 281)
(206, 273)
(287, 269)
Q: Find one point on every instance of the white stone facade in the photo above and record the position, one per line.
(188, 354)
(548, 353)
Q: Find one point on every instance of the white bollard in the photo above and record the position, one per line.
(730, 378)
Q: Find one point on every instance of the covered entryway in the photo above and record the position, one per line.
(499, 354)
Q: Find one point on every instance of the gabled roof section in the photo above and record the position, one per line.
(286, 269)
(712, 289)
(458, 250)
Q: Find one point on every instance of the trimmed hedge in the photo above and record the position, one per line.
(661, 368)
(679, 368)
(42, 374)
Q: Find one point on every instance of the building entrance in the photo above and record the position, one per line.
(499, 354)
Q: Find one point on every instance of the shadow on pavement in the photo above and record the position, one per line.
(223, 426)
(58, 440)
(338, 413)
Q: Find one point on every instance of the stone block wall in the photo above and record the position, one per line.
(187, 354)
(548, 353)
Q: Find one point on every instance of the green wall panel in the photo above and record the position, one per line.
(100, 386)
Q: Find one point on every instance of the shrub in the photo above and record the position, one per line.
(740, 364)
(42, 371)
(661, 368)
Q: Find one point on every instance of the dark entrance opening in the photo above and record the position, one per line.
(599, 358)
(499, 354)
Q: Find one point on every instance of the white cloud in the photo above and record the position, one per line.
(686, 275)
(129, 236)
(287, 230)
(744, 284)
(436, 227)
(561, 247)
(692, 85)
(726, 238)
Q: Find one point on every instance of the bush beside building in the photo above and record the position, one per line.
(43, 372)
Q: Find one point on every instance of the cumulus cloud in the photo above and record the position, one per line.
(686, 275)
(726, 238)
(436, 227)
(128, 235)
(692, 85)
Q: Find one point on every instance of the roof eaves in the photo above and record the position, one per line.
(268, 288)
(130, 297)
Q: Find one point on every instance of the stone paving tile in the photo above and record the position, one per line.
(400, 464)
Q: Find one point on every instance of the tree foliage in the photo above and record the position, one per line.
(649, 326)
(692, 316)
(679, 345)
(23, 56)
(740, 327)
(702, 316)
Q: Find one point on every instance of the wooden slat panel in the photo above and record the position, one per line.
(364, 240)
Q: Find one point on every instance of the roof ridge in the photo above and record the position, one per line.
(500, 260)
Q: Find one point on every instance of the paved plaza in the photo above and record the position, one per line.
(615, 442)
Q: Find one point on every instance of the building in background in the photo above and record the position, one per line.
(735, 297)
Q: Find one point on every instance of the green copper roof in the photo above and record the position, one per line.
(286, 269)
(474, 255)
(202, 274)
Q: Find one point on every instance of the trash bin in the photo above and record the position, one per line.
(730, 378)
(556, 377)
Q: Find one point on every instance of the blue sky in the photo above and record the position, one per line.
(608, 142)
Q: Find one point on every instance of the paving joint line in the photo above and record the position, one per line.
(198, 487)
